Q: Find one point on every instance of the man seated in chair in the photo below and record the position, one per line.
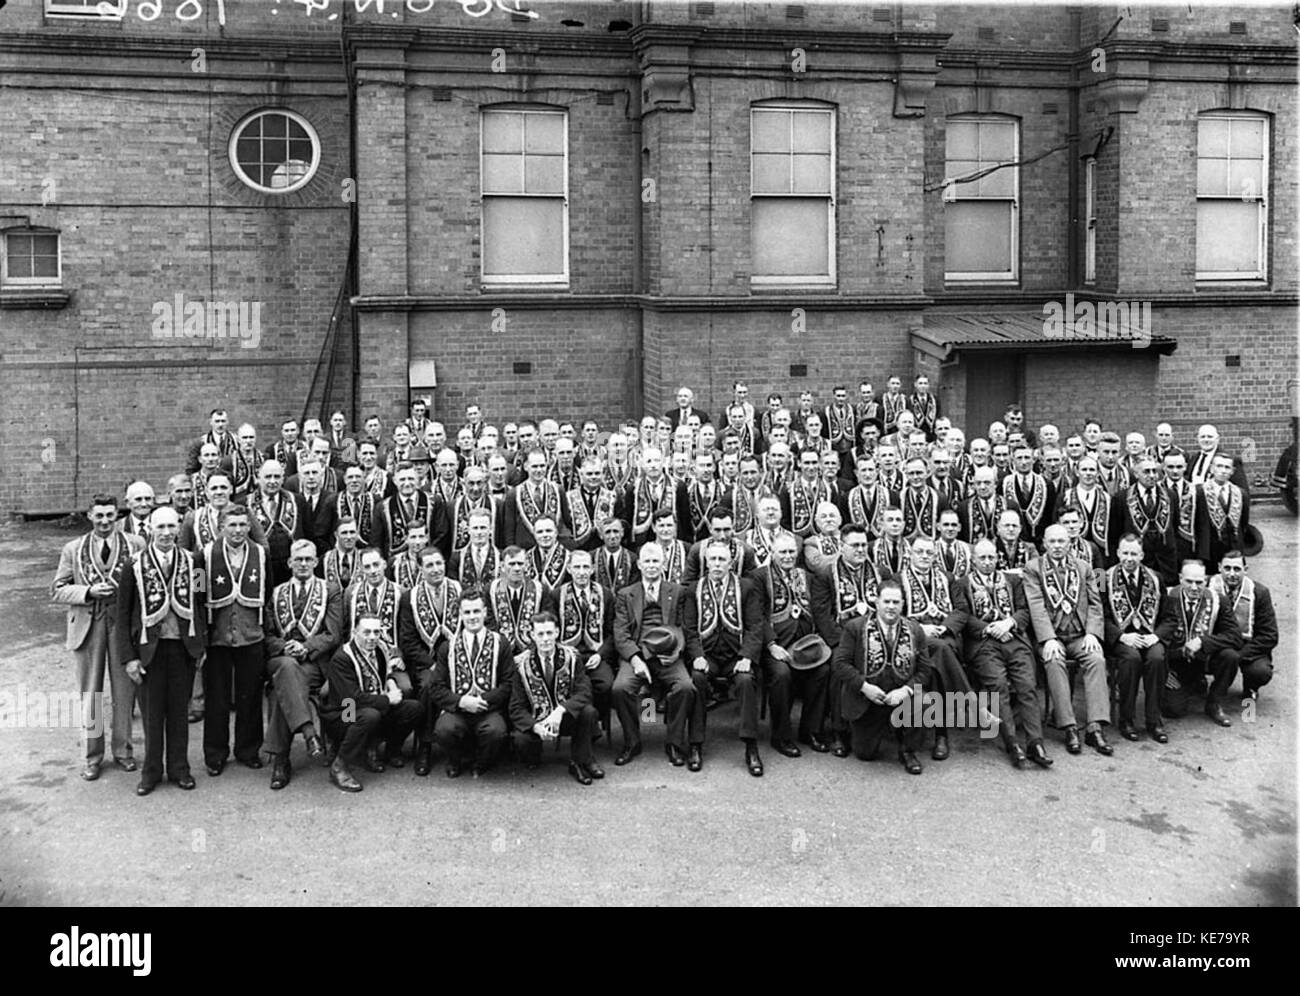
(551, 698)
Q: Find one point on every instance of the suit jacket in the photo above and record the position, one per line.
(319, 526)
(785, 631)
(188, 538)
(521, 711)
(435, 518)
(322, 644)
(415, 653)
(695, 566)
(849, 665)
(1087, 611)
(498, 697)
(71, 587)
(629, 607)
(752, 624)
(973, 630)
(1224, 634)
(129, 641)
(674, 415)
(343, 688)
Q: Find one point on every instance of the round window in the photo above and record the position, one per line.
(274, 152)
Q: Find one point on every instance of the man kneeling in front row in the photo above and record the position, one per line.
(551, 698)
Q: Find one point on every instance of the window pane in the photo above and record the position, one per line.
(523, 236)
(19, 266)
(962, 140)
(503, 174)
(502, 132)
(274, 125)
(812, 174)
(977, 236)
(1244, 178)
(300, 148)
(1212, 137)
(790, 237)
(771, 174)
(45, 266)
(997, 141)
(771, 130)
(1248, 138)
(544, 174)
(1227, 236)
(45, 245)
(999, 183)
(812, 131)
(544, 133)
(19, 245)
(1211, 177)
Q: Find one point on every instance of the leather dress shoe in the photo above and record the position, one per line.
(1216, 713)
(185, 782)
(695, 760)
(371, 760)
(595, 770)
(910, 762)
(315, 747)
(1128, 731)
(675, 756)
(395, 759)
(816, 743)
(787, 748)
(579, 773)
(90, 772)
(423, 760)
(1018, 756)
(1038, 754)
(626, 755)
(1072, 743)
(841, 747)
(195, 716)
(253, 762)
(125, 763)
(342, 777)
(144, 788)
(1158, 734)
(1097, 741)
(454, 769)
(215, 769)
(940, 752)
(280, 773)
(752, 761)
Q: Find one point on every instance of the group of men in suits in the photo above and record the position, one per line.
(528, 585)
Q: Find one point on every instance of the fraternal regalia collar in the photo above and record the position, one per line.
(543, 697)
(1243, 602)
(674, 562)
(1031, 497)
(804, 497)
(93, 568)
(1135, 599)
(447, 490)
(376, 482)
(839, 424)
(406, 570)
(990, 595)
(361, 508)
(1014, 556)
(954, 557)
(582, 617)
(650, 496)
(530, 509)
(225, 443)
(920, 514)
(162, 592)
(589, 511)
(789, 593)
(1063, 587)
(617, 478)
(472, 577)
(1183, 494)
(881, 654)
(280, 512)
(460, 512)
(983, 521)
(926, 598)
(621, 576)
(549, 566)
(370, 670)
(1150, 512)
(867, 508)
(1224, 504)
(340, 567)
(307, 617)
(1197, 612)
(890, 556)
(701, 498)
(1094, 505)
(380, 600)
(893, 404)
(243, 470)
(516, 626)
(436, 610)
(718, 608)
(399, 522)
(855, 590)
(246, 587)
(199, 482)
(926, 409)
(744, 505)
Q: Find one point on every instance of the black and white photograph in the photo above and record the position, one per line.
(649, 453)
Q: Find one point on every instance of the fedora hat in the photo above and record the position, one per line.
(808, 652)
(1252, 541)
(663, 642)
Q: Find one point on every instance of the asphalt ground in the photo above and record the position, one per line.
(1208, 819)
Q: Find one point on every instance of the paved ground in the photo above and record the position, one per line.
(1209, 819)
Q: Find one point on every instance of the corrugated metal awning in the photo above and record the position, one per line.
(1104, 326)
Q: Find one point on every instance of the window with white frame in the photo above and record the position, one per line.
(30, 258)
(274, 151)
(792, 187)
(1231, 196)
(1090, 220)
(525, 186)
(112, 10)
(981, 212)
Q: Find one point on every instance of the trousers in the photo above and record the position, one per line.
(578, 729)
(164, 710)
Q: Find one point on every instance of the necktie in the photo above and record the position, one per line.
(477, 647)
(299, 597)
(104, 553)
(652, 594)
(410, 509)
(549, 665)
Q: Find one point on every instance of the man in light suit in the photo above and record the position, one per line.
(651, 605)
(159, 632)
(86, 581)
(1069, 626)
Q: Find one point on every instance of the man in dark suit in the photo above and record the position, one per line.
(427, 618)
(681, 415)
(999, 649)
(1200, 462)
(471, 685)
(303, 627)
(157, 643)
(1149, 512)
(319, 506)
(1252, 604)
(535, 498)
(1131, 595)
(585, 611)
(651, 607)
(394, 515)
(1200, 632)
(1069, 625)
(723, 618)
(282, 515)
(720, 531)
(881, 662)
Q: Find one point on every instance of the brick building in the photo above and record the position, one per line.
(576, 208)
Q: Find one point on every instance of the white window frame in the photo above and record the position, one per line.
(558, 280)
(1262, 203)
(828, 279)
(11, 282)
(954, 192)
(92, 10)
(1090, 220)
(247, 180)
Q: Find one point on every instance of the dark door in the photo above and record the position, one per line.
(992, 382)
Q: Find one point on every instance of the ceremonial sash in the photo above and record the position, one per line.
(1186, 510)
(853, 588)
(622, 566)
(1097, 522)
(955, 557)
(920, 518)
(674, 562)
(360, 507)
(1081, 551)
(540, 699)
(828, 545)
(470, 575)
(284, 517)
(1214, 505)
(92, 568)
(581, 620)
(789, 594)
(892, 404)
(339, 572)
(617, 478)
(926, 409)
(802, 505)
(877, 652)
(225, 588)
(1014, 558)
(450, 491)
(1061, 600)
(1035, 504)
(225, 445)
(518, 629)
(881, 556)
(526, 502)
(715, 612)
(984, 526)
(1142, 616)
(927, 599)
(399, 524)
(376, 482)
(406, 571)
(868, 512)
(1158, 521)
(309, 621)
(891, 480)
(384, 606)
(199, 482)
(160, 594)
(990, 596)
(583, 522)
(744, 505)
(1243, 604)
(1203, 615)
(644, 503)
(866, 410)
(370, 681)
(243, 469)
(436, 611)
(758, 539)
(700, 503)
(839, 424)
(548, 567)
